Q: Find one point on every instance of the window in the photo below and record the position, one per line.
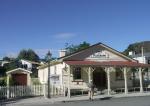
(55, 69)
(148, 61)
(119, 74)
(77, 73)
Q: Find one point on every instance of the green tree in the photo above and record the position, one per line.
(136, 47)
(6, 58)
(12, 65)
(28, 55)
(73, 48)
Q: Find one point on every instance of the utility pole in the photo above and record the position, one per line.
(48, 57)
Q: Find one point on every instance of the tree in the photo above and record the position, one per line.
(6, 58)
(12, 65)
(73, 48)
(136, 47)
(28, 55)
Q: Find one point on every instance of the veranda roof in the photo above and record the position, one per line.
(107, 63)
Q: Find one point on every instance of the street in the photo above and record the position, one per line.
(130, 101)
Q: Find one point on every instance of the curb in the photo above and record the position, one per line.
(96, 99)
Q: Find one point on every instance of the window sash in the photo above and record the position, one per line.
(77, 73)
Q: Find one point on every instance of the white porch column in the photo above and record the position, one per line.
(125, 79)
(141, 82)
(44, 90)
(28, 79)
(89, 74)
(69, 68)
(108, 80)
(8, 84)
(89, 77)
(148, 73)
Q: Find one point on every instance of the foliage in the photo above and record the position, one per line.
(35, 81)
(2, 71)
(6, 58)
(136, 47)
(73, 48)
(12, 65)
(2, 81)
(28, 55)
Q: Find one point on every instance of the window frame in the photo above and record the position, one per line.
(77, 74)
(119, 74)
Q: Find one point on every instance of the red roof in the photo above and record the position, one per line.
(108, 63)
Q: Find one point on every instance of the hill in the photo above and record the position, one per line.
(136, 47)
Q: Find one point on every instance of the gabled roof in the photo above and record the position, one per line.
(61, 59)
(17, 70)
(103, 45)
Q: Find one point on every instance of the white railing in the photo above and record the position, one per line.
(26, 91)
(132, 89)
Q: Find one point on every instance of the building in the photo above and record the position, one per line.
(107, 68)
(19, 76)
(145, 58)
(3, 62)
(31, 66)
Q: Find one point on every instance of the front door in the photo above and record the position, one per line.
(99, 78)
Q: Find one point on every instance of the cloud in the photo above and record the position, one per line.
(64, 35)
(11, 54)
(42, 52)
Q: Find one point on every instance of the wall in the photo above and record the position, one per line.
(119, 83)
(55, 70)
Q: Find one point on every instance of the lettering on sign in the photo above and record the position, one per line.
(100, 54)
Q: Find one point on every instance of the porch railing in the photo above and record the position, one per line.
(133, 89)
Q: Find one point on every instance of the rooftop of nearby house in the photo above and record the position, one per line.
(140, 55)
(32, 62)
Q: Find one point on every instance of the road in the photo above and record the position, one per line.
(130, 101)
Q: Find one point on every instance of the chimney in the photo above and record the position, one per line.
(62, 53)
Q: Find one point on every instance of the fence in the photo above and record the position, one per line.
(26, 91)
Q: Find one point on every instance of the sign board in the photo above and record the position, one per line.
(101, 54)
(55, 79)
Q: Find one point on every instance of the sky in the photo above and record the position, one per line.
(44, 25)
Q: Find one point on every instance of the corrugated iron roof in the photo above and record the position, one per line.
(107, 63)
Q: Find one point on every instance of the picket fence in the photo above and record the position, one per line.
(26, 91)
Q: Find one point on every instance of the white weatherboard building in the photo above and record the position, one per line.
(145, 58)
(107, 68)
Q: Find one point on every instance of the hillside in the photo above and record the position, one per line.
(136, 47)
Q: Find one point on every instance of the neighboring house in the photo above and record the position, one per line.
(105, 67)
(145, 58)
(3, 62)
(31, 66)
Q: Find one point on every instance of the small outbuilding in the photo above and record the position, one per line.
(20, 76)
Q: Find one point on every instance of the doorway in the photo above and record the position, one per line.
(99, 78)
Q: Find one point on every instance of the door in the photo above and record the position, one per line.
(20, 79)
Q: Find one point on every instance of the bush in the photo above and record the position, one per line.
(2, 81)
(35, 81)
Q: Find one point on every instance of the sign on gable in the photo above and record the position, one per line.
(101, 54)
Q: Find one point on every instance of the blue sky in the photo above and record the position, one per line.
(49, 24)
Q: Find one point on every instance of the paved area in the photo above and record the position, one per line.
(130, 101)
(115, 100)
